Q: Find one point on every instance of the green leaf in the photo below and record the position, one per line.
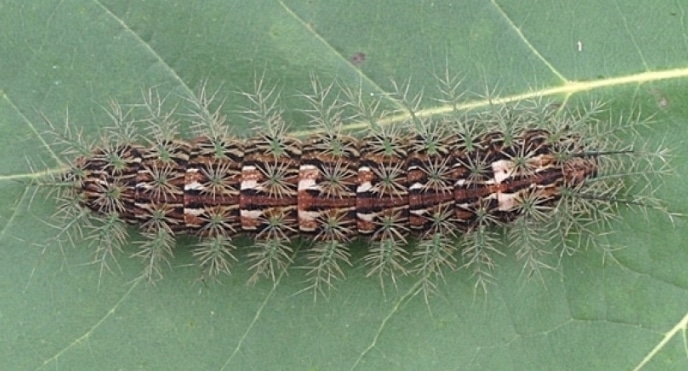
(624, 310)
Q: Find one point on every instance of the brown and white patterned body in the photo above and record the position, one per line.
(332, 187)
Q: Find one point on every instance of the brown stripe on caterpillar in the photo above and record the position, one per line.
(431, 178)
(269, 187)
(107, 179)
(160, 182)
(382, 192)
(211, 186)
(328, 178)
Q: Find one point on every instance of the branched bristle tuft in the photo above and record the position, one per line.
(155, 252)
(269, 258)
(325, 266)
(215, 255)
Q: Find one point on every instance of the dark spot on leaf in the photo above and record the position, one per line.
(357, 59)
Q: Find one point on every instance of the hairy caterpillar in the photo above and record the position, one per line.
(456, 183)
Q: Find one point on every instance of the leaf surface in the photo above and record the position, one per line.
(60, 58)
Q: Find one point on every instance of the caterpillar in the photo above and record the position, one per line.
(428, 194)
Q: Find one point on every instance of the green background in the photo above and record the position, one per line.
(592, 313)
